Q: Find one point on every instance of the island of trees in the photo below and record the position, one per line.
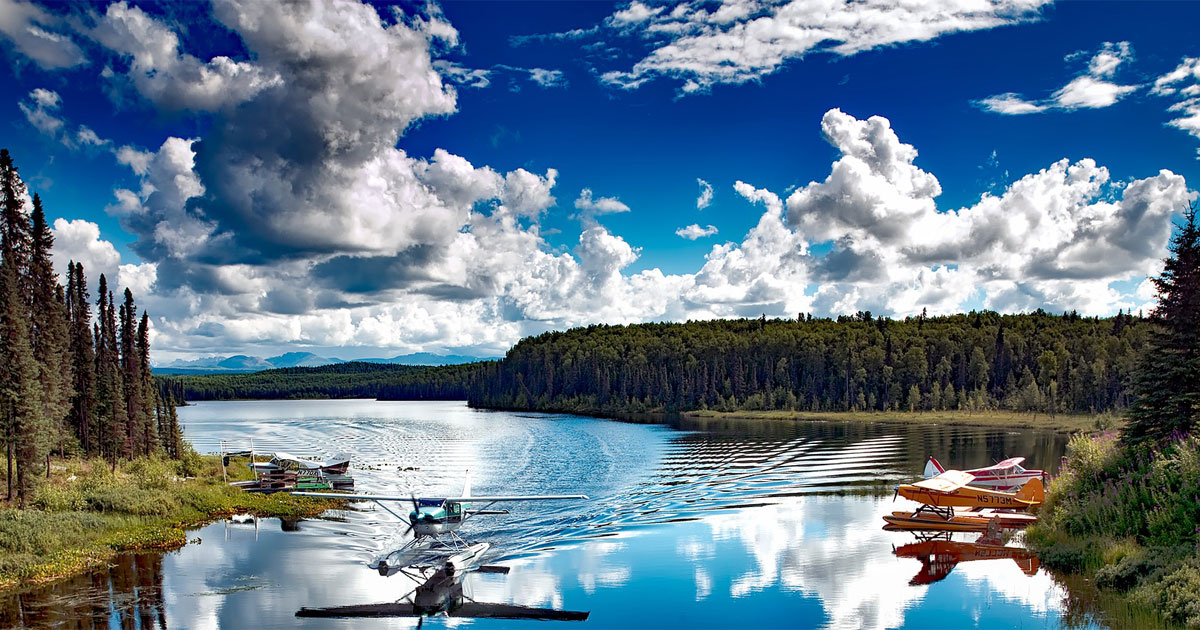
(68, 384)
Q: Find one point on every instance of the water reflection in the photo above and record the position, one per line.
(126, 594)
(705, 523)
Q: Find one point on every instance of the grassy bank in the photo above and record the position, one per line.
(1063, 423)
(1128, 519)
(87, 512)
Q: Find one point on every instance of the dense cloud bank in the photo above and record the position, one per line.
(297, 217)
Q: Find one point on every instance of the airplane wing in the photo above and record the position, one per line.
(948, 481)
(382, 497)
(530, 497)
(351, 497)
(1004, 465)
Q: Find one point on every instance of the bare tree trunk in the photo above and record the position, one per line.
(47, 464)
(10, 470)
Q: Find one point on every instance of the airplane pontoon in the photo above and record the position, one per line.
(443, 593)
(1005, 475)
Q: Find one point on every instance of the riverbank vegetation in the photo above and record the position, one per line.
(96, 463)
(1000, 418)
(1125, 509)
(68, 384)
(88, 511)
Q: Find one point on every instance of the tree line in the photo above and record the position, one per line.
(342, 380)
(68, 383)
(1036, 362)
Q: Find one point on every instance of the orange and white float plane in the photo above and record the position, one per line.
(940, 496)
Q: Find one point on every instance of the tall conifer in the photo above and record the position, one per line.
(1167, 383)
(21, 411)
(146, 383)
(83, 353)
(48, 319)
(131, 375)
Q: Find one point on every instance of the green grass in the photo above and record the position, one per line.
(1063, 423)
(88, 512)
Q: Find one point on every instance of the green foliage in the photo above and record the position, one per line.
(976, 362)
(1168, 379)
(343, 380)
(1175, 595)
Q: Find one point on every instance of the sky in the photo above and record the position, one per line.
(370, 179)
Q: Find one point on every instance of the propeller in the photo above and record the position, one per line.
(412, 521)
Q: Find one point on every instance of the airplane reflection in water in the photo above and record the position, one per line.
(939, 554)
(443, 593)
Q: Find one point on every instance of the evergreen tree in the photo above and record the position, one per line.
(83, 353)
(131, 377)
(1167, 383)
(111, 412)
(20, 395)
(48, 318)
(146, 387)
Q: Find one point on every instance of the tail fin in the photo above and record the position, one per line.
(467, 485)
(1032, 491)
(933, 468)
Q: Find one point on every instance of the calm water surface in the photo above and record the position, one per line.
(707, 524)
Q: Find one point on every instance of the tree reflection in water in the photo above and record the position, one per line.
(127, 594)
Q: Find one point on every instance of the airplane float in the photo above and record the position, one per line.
(443, 593)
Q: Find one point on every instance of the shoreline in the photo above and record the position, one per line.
(1061, 423)
(86, 515)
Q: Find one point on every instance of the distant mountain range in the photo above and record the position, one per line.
(241, 363)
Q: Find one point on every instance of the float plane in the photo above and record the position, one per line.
(940, 496)
(433, 522)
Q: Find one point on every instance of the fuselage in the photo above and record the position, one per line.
(965, 496)
(431, 517)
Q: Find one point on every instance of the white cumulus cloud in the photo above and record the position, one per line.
(702, 45)
(1091, 89)
(694, 231)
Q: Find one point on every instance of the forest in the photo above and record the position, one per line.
(343, 380)
(68, 384)
(1036, 362)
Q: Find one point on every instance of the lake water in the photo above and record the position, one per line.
(705, 524)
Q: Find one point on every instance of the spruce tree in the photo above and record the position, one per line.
(1167, 383)
(83, 353)
(20, 395)
(48, 318)
(131, 376)
(111, 411)
(146, 382)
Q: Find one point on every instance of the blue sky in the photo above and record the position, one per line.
(363, 179)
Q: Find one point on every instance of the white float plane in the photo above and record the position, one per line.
(433, 522)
